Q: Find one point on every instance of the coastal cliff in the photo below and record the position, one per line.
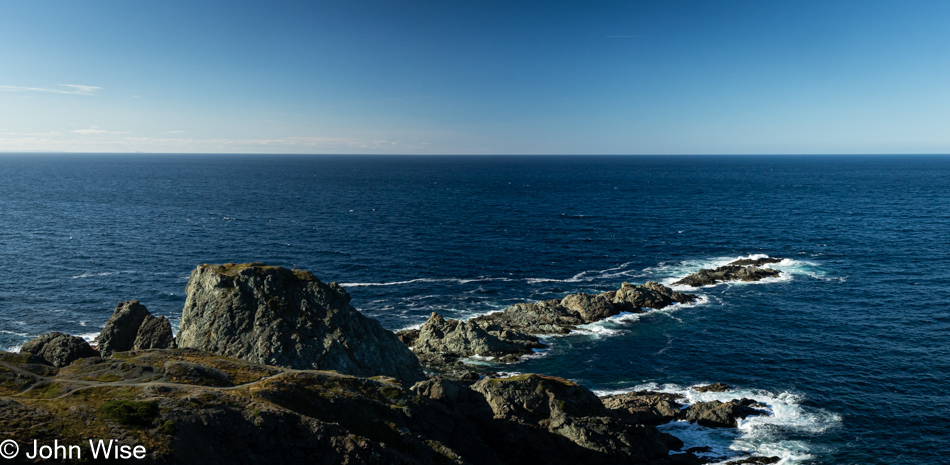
(273, 363)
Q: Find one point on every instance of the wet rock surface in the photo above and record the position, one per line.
(738, 270)
(715, 387)
(716, 414)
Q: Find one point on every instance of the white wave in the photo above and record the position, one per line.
(14, 348)
(104, 273)
(427, 280)
(616, 325)
(479, 360)
(89, 337)
(765, 435)
(14, 333)
(619, 271)
(668, 273)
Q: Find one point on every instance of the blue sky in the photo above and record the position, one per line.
(484, 77)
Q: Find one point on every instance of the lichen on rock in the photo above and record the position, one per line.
(287, 318)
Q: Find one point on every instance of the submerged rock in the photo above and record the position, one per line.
(287, 318)
(58, 349)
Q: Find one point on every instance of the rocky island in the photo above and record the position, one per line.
(744, 269)
(273, 364)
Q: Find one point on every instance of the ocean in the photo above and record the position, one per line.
(850, 347)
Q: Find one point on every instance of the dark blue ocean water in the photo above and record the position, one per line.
(850, 347)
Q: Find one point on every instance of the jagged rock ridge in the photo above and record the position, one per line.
(509, 334)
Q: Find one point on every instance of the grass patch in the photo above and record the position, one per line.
(45, 391)
(167, 428)
(130, 412)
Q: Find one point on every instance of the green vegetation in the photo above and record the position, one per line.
(45, 391)
(130, 413)
(167, 428)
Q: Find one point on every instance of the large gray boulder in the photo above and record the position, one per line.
(119, 333)
(154, 333)
(132, 327)
(58, 349)
(289, 318)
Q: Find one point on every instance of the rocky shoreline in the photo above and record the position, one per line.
(271, 362)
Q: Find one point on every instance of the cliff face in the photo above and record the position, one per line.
(287, 318)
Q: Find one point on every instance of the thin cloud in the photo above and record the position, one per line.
(72, 89)
(174, 132)
(94, 130)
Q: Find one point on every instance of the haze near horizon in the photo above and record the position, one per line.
(662, 77)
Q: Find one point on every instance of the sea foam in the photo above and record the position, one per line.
(765, 435)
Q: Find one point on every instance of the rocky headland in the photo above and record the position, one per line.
(744, 269)
(273, 365)
(505, 336)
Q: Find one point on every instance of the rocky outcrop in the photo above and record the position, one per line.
(133, 327)
(645, 407)
(154, 333)
(654, 408)
(716, 414)
(755, 261)
(544, 419)
(440, 343)
(739, 270)
(714, 387)
(572, 412)
(58, 349)
(287, 318)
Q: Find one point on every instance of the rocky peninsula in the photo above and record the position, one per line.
(505, 336)
(273, 364)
